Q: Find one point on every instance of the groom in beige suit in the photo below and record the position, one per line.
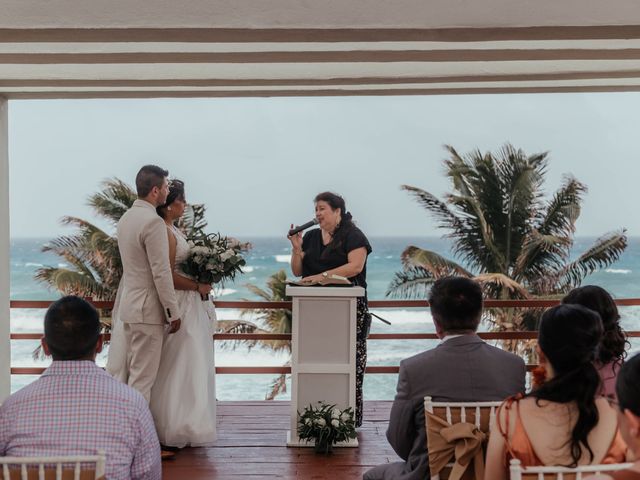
(147, 301)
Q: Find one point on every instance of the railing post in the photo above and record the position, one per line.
(5, 341)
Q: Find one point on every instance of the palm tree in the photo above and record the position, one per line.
(268, 321)
(94, 266)
(507, 236)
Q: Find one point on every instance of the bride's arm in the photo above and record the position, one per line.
(180, 282)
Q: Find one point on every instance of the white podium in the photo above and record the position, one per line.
(323, 351)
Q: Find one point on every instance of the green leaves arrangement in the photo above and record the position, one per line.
(214, 258)
(327, 425)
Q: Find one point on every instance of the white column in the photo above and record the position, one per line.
(5, 344)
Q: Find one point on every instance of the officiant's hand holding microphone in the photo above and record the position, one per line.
(295, 237)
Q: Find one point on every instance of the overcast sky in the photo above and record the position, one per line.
(258, 163)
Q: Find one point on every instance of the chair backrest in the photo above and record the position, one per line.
(480, 414)
(518, 472)
(88, 467)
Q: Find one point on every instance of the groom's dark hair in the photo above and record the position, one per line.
(456, 302)
(71, 328)
(148, 177)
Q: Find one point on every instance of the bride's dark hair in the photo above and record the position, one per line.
(569, 336)
(176, 192)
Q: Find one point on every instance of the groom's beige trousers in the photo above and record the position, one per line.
(144, 347)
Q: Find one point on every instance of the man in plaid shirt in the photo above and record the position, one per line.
(75, 407)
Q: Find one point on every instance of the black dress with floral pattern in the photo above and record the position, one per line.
(319, 258)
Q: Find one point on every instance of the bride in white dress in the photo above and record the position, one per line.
(183, 397)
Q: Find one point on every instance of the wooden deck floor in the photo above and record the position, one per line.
(251, 445)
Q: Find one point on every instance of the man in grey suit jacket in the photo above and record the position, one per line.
(147, 299)
(462, 368)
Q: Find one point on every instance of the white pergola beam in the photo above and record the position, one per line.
(5, 342)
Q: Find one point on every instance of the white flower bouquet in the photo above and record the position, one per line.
(214, 258)
(326, 425)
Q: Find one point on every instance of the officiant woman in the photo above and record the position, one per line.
(338, 247)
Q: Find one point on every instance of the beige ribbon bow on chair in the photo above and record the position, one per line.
(463, 441)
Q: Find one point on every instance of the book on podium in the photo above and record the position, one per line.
(329, 280)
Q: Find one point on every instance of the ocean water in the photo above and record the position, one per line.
(269, 255)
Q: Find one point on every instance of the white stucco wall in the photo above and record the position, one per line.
(314, 13)
(5, 350)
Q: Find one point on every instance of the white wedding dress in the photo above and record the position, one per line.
(183, 397)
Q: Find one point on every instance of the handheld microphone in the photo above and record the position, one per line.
(293, 231)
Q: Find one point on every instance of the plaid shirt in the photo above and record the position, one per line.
(76, 408)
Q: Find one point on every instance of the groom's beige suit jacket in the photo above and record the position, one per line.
(147, 295)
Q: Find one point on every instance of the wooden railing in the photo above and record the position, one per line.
(377, 304)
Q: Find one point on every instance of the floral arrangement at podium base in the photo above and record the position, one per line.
(326, 425)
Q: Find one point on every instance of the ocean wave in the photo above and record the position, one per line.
(26, 320)
(283, 258)
(63, 265)
(30, 264)
(622, 271)
(242, 356)
(224, 291)
(403, 317)
(247, 269)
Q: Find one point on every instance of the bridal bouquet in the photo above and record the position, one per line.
(327, 425)
(214, 258)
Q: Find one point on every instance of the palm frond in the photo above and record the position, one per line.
(436, 264)
(278, 386)
(273, 320)
(562, 211)
(411, 283)
(193, 221)
(115, 198)
(605, 251)
(477, 198)
(258, 292)
(539, 254)
(497, 282)
(521, 179)
(445, 217)
(70, 282)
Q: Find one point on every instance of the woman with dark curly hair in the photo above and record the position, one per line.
(338, 247)
(612, 348)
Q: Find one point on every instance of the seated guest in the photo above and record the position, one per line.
(628, 390)
(462, 368)
(611, 351)
(75, 407)
(561, 422)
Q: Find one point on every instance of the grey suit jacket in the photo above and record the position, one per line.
(462, 369)
(147, 294)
